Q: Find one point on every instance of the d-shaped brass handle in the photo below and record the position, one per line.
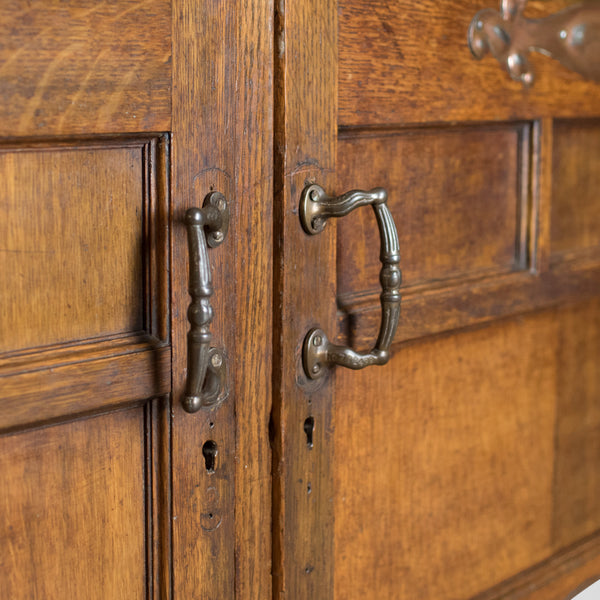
(571, 36)
(206, 365)
(316, 207)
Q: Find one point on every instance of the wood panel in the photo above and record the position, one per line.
(575, 217)
(409, 62)
(577, 381)
(458, 196)
(455, 446)
(81, 66)
(75, 269)
(72, 508)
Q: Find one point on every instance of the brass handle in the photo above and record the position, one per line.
(571, 36)
(206, 365)
(315, 208)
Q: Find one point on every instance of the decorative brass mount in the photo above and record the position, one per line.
(571, 36)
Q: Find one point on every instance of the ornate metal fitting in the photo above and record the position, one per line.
(571, 36)
(207, 369)
(316, 207)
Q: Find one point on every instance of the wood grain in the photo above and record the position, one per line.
(575, 193)
(558, 578)
(455, 444)
(222, 140)
(577, 381)
(305, 150)
(456, 196)
(408, 62)
(53, 389)
(438, 309)
(84, 66)
(72, 510)
(80, 213)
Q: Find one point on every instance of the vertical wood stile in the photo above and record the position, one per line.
(305, 290)
(222, 141)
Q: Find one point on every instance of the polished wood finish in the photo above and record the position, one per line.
(84, 66)
(109, 378)
(403, 62)
(475, 457)
(457, 197)
(90, 231)
(466, 466)
(222, 141)
(465, 304)
(576, 181)
(78, 522)
(558, 578)
(305, 150)
(85, 362)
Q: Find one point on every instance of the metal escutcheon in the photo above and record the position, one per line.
(316, 207)
(206, 370)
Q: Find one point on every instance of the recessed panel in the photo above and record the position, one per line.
(577, 377)
(81, 66)
(409, 62)
(469, 458)
(71, 243)
(576, 188)
(456, 196)
(72, 516)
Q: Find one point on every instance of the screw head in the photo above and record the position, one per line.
(218, 236)
(314, 196)
(316, 368)
(317, 340)
(216, 360)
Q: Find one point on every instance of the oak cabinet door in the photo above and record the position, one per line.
(467, 466)
(115, 118)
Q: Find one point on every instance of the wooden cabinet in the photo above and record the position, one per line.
(465, 468)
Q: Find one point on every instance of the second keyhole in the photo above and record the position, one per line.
(209, 451)
(309, 428)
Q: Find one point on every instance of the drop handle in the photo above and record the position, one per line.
(571, 36)
(319, 354)
(206, 368)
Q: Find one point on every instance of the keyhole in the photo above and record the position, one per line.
(209, 451)
(309, 427)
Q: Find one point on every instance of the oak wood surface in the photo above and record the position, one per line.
(456, 195)
(222, 140)
(77, 522)
(558, 578)
(71, 215)
(576, 184)
(437, 309)
(407, 62)
(83, 66)
(84, 354)
(460, 436)
(470, 500)
(305, 150)
(57, 390)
